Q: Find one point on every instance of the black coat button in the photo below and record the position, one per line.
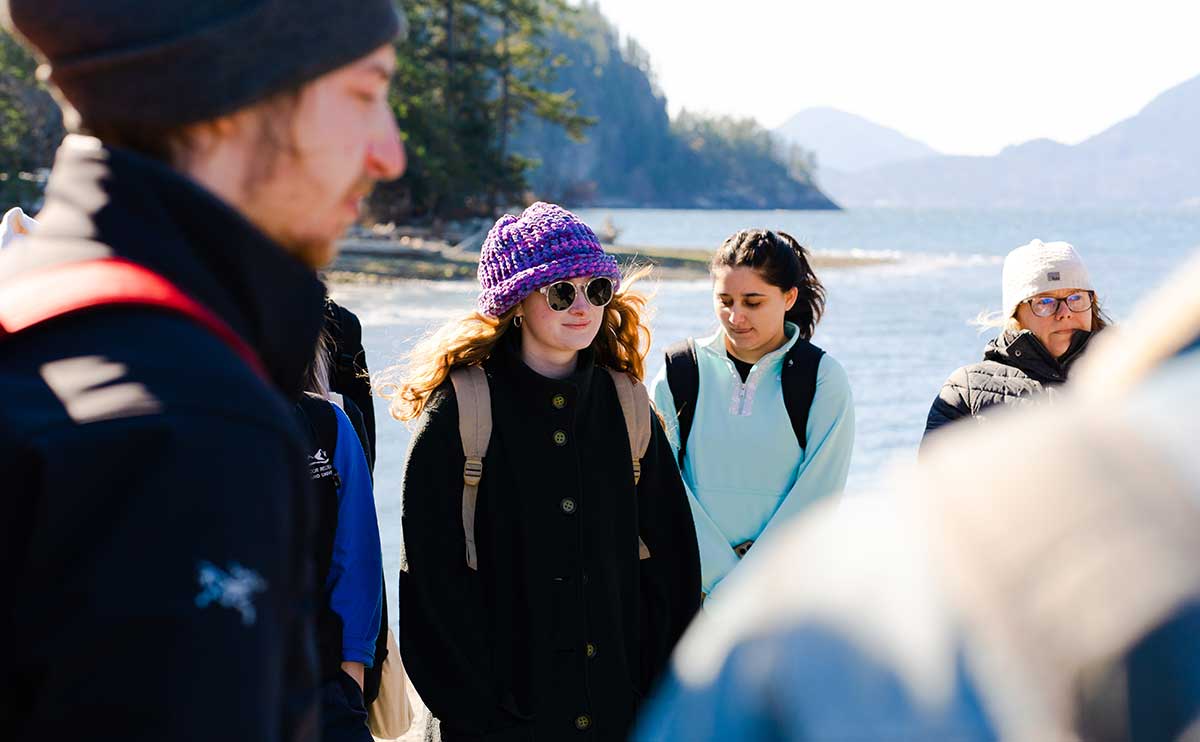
(590, 650)
(583, 722)
(567, 505)
(560, 437)
(559, 401)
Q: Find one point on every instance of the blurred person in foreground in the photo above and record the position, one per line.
(1051, 313)
(155, 327)
(1056, 598)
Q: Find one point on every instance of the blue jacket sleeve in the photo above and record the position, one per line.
(356, 575)
(826, 463)
(717, 557)
(731, 706)
(804, 683)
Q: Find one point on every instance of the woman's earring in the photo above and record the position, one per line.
(517, 320)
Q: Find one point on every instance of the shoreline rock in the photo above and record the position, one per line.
(408, 258)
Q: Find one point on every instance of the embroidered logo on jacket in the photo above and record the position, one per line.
(233, 589)
(319, 465)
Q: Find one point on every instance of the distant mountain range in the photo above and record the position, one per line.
(849, 143)
(1149, 160)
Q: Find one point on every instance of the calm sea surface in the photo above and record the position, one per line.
(899, 329)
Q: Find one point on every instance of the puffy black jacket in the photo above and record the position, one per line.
(1016, 368)
(155, 528)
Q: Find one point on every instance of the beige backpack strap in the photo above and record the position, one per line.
(635, 406)
(475, 428)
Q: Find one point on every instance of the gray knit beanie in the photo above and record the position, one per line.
(175, 62)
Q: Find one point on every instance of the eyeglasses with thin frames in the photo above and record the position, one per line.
(1047, 306)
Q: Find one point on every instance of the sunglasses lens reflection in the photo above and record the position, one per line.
(561, 296)
(600, 291)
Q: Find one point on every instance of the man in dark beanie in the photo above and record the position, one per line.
(156, 523)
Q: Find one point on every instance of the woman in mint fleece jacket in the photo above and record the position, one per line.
(743, 466)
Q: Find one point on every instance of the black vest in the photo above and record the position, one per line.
(317, 418)
(319, 421)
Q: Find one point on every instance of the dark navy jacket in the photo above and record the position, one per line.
(155, 533)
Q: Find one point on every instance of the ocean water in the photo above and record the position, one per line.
(899, 329)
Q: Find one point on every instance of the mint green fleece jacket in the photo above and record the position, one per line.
(743, 469)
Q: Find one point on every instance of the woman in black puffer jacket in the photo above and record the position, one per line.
(1051, 314)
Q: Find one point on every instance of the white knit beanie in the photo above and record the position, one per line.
(16, 223)
(1041, 266)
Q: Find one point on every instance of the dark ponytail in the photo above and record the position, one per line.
(782, 262)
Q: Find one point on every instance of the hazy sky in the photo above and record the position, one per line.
(964, 76)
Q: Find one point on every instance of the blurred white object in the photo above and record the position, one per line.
(16, 224)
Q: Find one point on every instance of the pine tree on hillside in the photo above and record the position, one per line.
(469, 69)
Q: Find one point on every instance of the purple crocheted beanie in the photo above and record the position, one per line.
(545, 244)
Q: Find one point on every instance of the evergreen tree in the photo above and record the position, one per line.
(469, 69)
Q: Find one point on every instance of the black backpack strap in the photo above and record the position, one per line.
(321, 422)
(683, 378)
(799, 381)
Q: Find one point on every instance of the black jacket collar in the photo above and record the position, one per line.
(506, 363)
(1024, 351)
(107, 202)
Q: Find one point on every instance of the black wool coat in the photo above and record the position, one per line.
(563, 629)
(1016, 369)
